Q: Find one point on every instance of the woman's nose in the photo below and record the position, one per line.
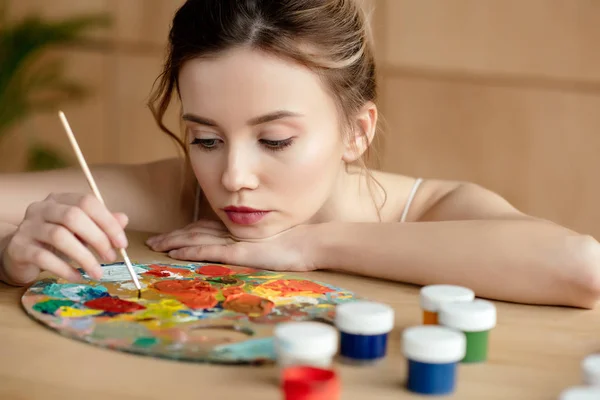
(239, 173)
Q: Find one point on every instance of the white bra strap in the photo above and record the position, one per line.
(411, 197)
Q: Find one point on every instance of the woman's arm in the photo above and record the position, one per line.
(150, 194)
(6, 230)
(472, 237)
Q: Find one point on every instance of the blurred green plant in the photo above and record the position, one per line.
(32, 83)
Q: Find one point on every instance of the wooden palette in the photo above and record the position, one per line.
(195, 312)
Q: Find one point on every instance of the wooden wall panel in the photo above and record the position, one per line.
(57, 9)
(537, 38)
(88, 118)
(144, 21)
(136, 137)
(537, 148)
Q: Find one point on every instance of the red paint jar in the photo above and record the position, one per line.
(310, 383)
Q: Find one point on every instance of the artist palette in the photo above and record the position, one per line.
(195, 312)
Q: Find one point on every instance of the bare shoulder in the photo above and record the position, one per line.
(439, 199)
(167, 186)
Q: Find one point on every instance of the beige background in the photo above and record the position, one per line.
(505, 93)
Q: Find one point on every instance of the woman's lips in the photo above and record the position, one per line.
(245, 215)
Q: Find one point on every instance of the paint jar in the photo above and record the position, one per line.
(475, 319)
(364, 327)
(305, 343)
(433, 353)
(580, 393)
(591, 369)
(433, 296)
(310, 383)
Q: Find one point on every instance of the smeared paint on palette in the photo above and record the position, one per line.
(194, 312)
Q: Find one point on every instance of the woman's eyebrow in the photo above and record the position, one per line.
(272, 117)
(254, 121)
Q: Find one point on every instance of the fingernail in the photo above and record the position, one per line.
(76, 278)
(173, 253)
(97, 273)
(122, 240)
(110, 255)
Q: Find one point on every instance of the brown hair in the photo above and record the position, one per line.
(331, 37)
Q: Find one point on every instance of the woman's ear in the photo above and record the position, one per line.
(362, 133)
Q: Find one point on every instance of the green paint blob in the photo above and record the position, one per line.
(50, 306)
(145, 342)
(477, 347)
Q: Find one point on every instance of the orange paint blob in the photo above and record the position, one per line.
(249, 304)
(214, 270)
(200, 300)
(430, 318)
(193, 293)
(184, 286)
(232, 290)
(289, 286)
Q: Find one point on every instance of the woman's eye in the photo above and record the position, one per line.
(277, 144)
(208, 144)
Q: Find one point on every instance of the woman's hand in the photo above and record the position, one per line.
(210, 241)
(61, 228)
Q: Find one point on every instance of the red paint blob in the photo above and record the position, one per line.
(304, 383)
(214, 270)
(114, 305)
(164, 270)
(248, 304)
(156, 272)
(293, 286)
(182, 286)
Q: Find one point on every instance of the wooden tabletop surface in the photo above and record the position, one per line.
(535, 353)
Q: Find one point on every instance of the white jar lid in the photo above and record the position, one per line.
(474, 316)
(581, 393)
(306, 339)
(364, 318)
(591, 369)
(433, 296)
(433, 344)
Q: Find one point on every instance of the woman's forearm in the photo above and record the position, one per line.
(524, 261)
(6, 230)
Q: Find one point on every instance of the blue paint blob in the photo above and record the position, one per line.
(432, 379)
(75, 292)
(363, 347)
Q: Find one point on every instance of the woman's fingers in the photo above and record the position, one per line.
(97, 212)
(29, 255)
(122, 219)
(157, 241)
(189, 239)
(80, 224)
(66, 243)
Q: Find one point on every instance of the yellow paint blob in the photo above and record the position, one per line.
(70, 312)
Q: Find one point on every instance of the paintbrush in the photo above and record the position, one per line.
(96, 191)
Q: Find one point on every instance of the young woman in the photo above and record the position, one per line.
(279, 105)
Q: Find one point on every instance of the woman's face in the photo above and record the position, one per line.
(265, 140)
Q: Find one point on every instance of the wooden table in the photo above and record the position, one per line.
(535, 353)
